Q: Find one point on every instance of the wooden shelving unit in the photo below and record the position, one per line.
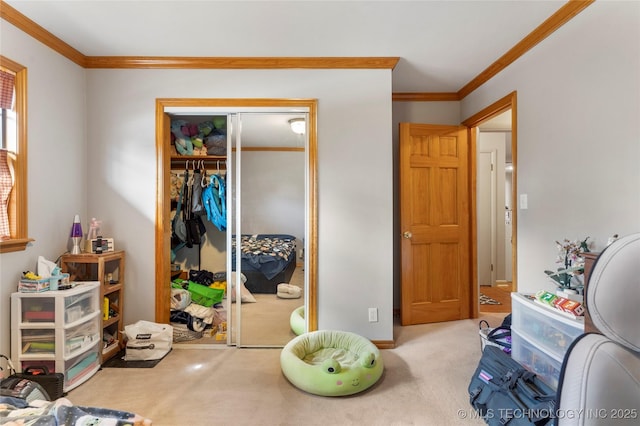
(108, 269)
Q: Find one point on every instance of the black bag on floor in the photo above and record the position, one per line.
(505, 393)
(49, 386)
(51, 382)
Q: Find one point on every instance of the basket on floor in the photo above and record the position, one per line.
(181, 333)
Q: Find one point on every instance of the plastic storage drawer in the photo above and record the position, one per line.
(544, 327)
(79, 306)
(38, 342)
(535, 360)
(78, 368)
(77, 339)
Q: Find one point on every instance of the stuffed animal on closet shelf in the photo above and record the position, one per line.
(184, 146)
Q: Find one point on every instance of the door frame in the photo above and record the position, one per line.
(163, 212)
(509, 102)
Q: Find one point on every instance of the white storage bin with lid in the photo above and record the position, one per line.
(545, 327)
(546, 366)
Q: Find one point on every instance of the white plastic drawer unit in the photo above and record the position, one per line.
(535, 360)
(543, 326)
(59, 329)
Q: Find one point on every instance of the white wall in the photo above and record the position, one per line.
(273, 190)
(354, 177)
(57, 159)
(578, 106)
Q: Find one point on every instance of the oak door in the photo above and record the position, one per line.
(435, 223)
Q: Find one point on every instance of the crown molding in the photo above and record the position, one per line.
(167, 62)
(555, 21)
(25, 24)
(544, 30)
(425, 97)
(550, 25)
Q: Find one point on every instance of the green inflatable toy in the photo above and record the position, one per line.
(297, 321)
(331, 363)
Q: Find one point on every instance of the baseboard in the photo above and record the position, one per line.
(384, 344)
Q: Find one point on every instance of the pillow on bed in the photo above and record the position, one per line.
(245, 294)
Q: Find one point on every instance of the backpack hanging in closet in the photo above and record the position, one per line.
(178, 226)
(214, 200)
(194, 224)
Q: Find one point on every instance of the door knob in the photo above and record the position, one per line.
(407, 234)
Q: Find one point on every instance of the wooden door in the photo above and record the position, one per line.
(435, 222)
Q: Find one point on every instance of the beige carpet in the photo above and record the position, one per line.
(424, 383)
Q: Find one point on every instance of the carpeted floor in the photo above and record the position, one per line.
(424, 383)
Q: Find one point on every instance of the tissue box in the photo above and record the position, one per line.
(43, 284)
(34, 286)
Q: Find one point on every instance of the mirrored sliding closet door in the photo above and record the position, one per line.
(269, 174)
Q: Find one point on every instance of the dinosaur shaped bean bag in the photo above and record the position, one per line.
(331, 363)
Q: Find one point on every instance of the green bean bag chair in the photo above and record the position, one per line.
(298, 324)
(331, 363)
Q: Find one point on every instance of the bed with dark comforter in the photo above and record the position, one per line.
(266, 260)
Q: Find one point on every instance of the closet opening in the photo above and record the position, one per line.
(240, 181)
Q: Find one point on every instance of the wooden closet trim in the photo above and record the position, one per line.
(163, 225)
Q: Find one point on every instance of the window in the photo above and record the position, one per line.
(13, 156)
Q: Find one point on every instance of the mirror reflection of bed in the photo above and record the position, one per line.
(273, 227)
(272, 196)
(266, 322)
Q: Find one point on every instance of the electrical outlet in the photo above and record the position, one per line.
(373, 314)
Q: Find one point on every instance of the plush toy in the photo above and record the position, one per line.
(205, 128)
(192, 131)
(184, 146)
(220, 122)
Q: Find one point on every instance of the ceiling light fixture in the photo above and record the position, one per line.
(298, 125)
